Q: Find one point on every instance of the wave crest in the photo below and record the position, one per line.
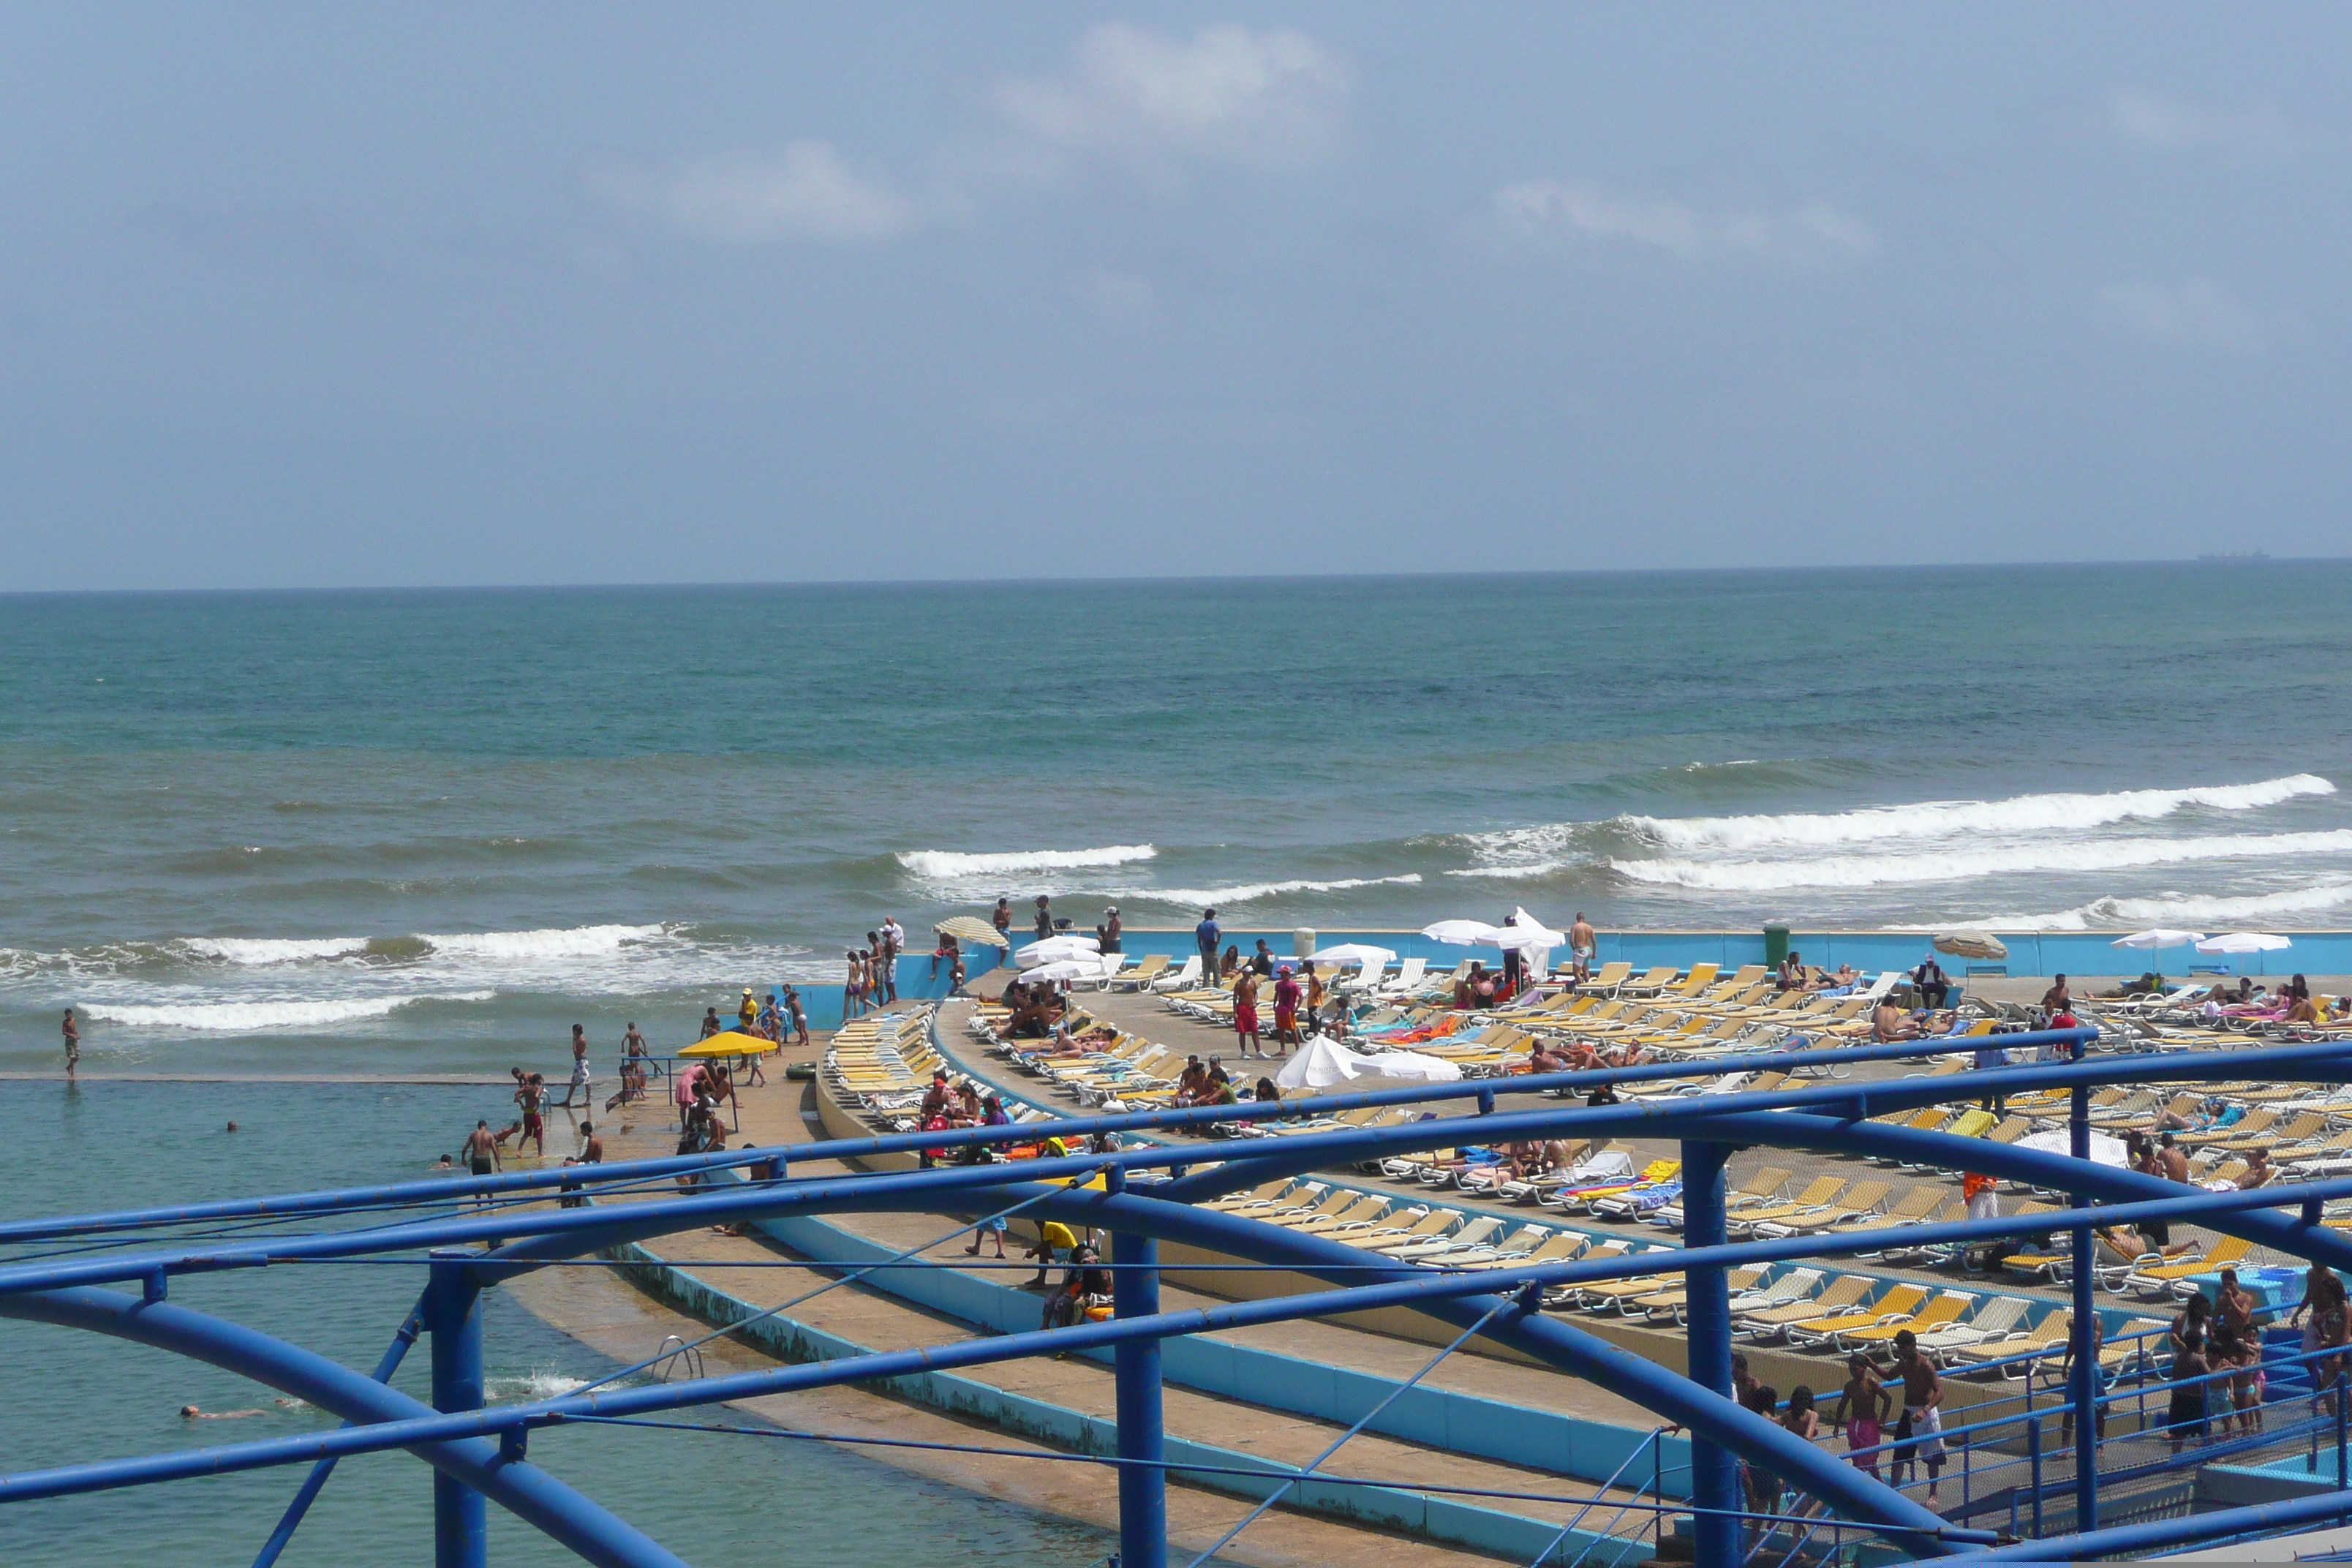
(1953, 864)
(1942, 818)
(945, 865)
(1250, 892)
(217, 1018)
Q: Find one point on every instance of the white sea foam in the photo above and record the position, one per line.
(2177, 910)
(1945, 818)
(284, 1012)
(531, 1385)
(947, 865)
(1951, 865)
(273, 949)
(1249, 892)
(565, 942)
(1517, 871)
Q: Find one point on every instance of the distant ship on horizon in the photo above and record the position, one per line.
(2234, 556)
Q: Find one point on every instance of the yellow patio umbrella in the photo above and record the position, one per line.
(966, 928)
(733, 1043)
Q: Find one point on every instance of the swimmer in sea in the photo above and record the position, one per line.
(192, 1412)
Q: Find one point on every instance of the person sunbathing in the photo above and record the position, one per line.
(1543, 1056)
(2132, 1244)
(1891, 1023)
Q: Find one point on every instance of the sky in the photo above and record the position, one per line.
(440, 294)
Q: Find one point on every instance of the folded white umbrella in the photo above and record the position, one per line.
(1055, 948)
(1325, 1063)
(1361, 953)
(1460, 933)
(2160, 937)
(1065, 969)
(2105, 1150)
(2243, 942)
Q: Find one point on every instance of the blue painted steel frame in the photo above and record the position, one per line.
(1823, 1117)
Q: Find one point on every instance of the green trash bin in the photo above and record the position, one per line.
(1776, 946)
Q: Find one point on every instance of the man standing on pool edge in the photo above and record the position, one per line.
(1207, 935)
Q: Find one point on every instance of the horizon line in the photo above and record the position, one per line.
(707, 586)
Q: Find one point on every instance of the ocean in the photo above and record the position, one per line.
(427, 831)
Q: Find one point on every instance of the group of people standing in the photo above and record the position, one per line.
(872, 979)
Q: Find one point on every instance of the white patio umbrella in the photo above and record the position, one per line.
(1361, 953)
(2243, 942)
(1460, 933)
(2159, 936)
(1526, 931)
(1064, 968)
(1055, 948)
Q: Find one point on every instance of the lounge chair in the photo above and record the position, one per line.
(1899, 1302)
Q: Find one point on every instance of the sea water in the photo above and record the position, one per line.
(389, 832)
(68, 1396)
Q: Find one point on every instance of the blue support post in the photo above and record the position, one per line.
(2083, 1389)
(1714, 1472)
(1135, 1375)
(453, 1316)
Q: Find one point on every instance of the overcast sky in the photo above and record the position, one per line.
(565, 293)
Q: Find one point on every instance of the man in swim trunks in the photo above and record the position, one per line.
(799, 1012)
(1246, 1013)
(1286, 1009)
(1583, 941)
(581, 1084)
(73, 1044)
(482, 1150)
(1923, 1414)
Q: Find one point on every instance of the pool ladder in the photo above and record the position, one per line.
(686, 1356)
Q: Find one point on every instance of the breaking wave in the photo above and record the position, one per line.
(1249, 892)
(2020, 814)
(947, 865)
(251, 1016)
(1952, 865)
(274, 949)
(2180, 909)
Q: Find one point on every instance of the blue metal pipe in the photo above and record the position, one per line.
(1142, 1435)
(460, 1189)
(591, 1531)
(1715, 1470)
(1452, 1299)
(2085, 1375)
(453, 1316)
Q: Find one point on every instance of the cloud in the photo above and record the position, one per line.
(2197, 314)
(1269, 99)
(2143, 118)
(1815, 231)
(806, 191)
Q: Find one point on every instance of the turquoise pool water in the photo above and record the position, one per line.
(65, 1396)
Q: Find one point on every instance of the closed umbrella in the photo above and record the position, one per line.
(2160, 937)
(2104, 1149)
(1460, 933)
(1055, 948)
(2243, 942)
(1971, 944)
(1361, 953)
(1325, 1063)
(966, 928)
